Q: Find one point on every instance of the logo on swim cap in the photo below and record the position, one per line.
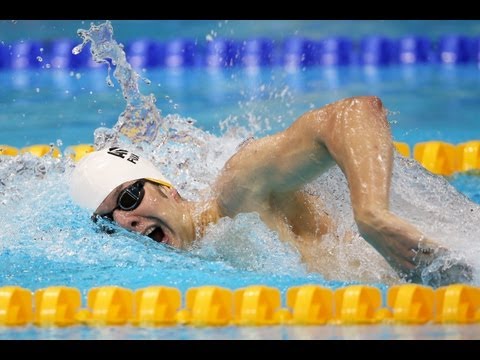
(99, 172)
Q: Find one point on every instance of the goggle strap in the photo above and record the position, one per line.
(160, 182)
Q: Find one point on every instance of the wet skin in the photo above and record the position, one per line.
(267, 176)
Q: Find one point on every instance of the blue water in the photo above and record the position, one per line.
(431, 102)
(46, 240)
(127, 30)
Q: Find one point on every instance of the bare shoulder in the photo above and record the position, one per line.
(238, 186)
(365, 101)
(256, 162)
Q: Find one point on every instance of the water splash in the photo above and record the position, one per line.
(46, 240)
(141, 120)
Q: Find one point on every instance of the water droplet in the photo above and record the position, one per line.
(14, 21)
(71, 73)
(109, 81)
(209, 37)
(78, 76)
(147, 81)
(99, 111)
(78, 49)
(67, 92)
(37, 90)
(41, 50)
(48, 66)
(59, 142)
(39, 59)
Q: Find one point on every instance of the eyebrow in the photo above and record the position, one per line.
(161, 192)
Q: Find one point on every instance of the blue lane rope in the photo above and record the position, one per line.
(373, 50)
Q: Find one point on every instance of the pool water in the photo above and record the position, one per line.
(47, 106)
(47, 240)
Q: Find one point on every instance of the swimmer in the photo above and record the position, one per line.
(267, 176)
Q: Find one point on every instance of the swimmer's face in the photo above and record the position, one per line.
(158, 212)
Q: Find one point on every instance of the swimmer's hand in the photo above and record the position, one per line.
(439, 266)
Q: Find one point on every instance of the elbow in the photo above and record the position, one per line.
(373, 102)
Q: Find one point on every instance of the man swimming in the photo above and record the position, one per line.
(267, 176)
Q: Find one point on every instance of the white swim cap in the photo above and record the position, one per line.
(99, 172)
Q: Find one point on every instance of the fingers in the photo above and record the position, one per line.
(439, 267)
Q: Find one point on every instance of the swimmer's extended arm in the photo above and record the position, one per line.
(355, 134)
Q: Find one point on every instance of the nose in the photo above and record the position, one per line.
(130, 221)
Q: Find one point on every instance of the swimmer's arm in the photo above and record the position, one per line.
(352, 133)
(283, 162)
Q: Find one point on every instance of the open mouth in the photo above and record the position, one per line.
(157, 234)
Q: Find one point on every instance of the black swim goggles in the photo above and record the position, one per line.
(128, 199)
